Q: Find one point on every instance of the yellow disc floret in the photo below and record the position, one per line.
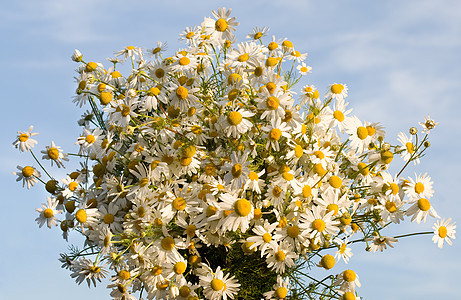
(242, 207)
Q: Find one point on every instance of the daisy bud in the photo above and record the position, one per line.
(427, 144)
(413, 130)
(77, 56)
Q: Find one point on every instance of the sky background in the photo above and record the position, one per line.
(400, 59)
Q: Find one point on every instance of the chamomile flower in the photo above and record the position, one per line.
(157, 50)
(236, 123)
(408, 148)
(337, 91)
(428, 124)
(420, 187)
(129, 51)
(24, 142)
(347, 281)
(237, 213)
(237, 170)
(47, 213)
(86, 269)
(317, 223)
(29, 175)
(279, 290)
(221, 27)
(266, 238)
(381, 243)
(281, 257)
(190, 35)
(89, 140)
(218, 285)
(275, 132)
(258, 33)
(304, 69)
(55, 154)
(344, 251)
(420, 209)
(254, 183)
(444, 231)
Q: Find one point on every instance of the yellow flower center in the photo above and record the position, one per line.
(419, 187)
(253, 176)
(362, 132)
(217, 284)
(242, 207)
(371, 130)
(236, 170)
(184, 292)
(233, 94)
(258, 71)
(159, 73)
(91, 66)
(298, 151)
(270, 86)
(293, 231)
(23, 137)
(318, 225)
(272, 46)
(233, 78)
(280, 255)
(221, 25)
(162, 285)
(272, 103)
(48, 213)
(101, 87)
(271, 61)
(394, 188)
(243, 58)
(196, 129)
(167, 243)
(179, 267)
(337, 88)
(124, 274)
(157, 270)
(27, 171)
(442, 232)
(327, 261)
(349, 275)
(53, 153)
(81, 216)
(105, 98)
(184, 61)
(258, 35)
(338, 115)
(303, 69)
(363, 169)
(190, 230)
(424, 204)
(90, 139)
(182, 92)
(288, 176)
(141, 212)
(307, 191)
(156, 50)
(153, 91)
(73, 186)
(234, 118)
(108, 219)
(211, 210)
(387, 156)
(319, 170)
(410, 147)
(287, 44)
(179, 203)
(267, 237)
(115, 74)
(281, 292)
(335, 181)
(125, 110)
(275, 134)
(276, 191)
(391, 207)
(349, 296)
(332, 207)
(257, 213)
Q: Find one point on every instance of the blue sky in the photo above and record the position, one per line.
(400, 59)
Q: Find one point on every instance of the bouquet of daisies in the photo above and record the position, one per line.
(204, 176)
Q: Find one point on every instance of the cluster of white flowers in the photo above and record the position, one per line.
(210, 148)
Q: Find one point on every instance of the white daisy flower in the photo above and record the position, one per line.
(24, 141)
